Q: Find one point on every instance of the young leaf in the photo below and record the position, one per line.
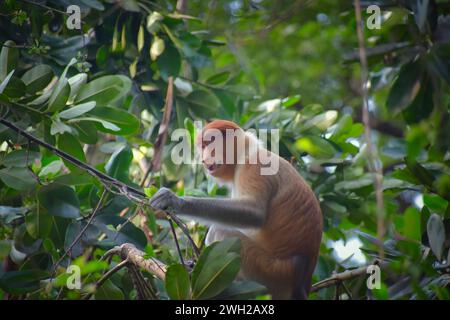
(77, 110)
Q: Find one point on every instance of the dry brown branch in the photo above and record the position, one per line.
(136, 257)
(155, 165)
(338, 278)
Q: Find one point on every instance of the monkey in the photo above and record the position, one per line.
(277, 217)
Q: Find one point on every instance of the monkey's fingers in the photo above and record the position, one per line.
(160, 214)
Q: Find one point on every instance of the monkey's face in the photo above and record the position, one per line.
(213, 150)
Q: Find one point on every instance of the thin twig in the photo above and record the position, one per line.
(176, 242)
(106, 276)
(341, 277)
(372, 155)
(155, 165)
(81, 233)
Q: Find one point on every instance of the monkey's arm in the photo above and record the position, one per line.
(242, 213)
(233, 212)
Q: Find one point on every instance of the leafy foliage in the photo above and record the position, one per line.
(97, 94)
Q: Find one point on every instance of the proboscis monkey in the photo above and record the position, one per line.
(276, 216)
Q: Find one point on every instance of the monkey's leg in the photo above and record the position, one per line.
(303, 274)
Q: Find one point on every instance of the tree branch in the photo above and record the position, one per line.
(373, 161)
(113, 185)
(134, 256)
(338, 278)
(80, 234)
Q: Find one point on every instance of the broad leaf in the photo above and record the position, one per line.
(104, 90)
(37, 78)
(77, 110)
(60, 201)
(18, 178)
(177, 282)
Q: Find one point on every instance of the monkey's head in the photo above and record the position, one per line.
(217, 140)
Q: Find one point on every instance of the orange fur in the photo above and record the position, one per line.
(293, 224)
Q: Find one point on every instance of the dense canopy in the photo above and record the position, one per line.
(86, 117)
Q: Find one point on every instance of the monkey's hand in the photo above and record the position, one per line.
(165, 200)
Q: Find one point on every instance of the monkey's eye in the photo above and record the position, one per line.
(207, 142)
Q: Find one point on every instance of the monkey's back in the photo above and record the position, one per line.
(294, 220)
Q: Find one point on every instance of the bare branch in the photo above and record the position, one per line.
(155, 165)
(80, 234)
(134, 256)
(372, 155)
(106, 276)
(338, 278)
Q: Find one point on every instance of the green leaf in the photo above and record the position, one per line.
(69, 144)
(104, 125)
(322, 121)
(422, 105)
(18, 178)
(177, 282)
(109, 291)
(360, 182)
(169, 62)
(61, 92)
(76, 82)
(216, 276)
(5, 248)
(119, 164)
(8, 58)
(60, 201)
(203, 104)
(436, 235)
(218, 78)
(6, 81)
(130, 5)
(15, 88)
(216, 268)
(38, 223)
(127, 233)
(411, 228)
(95, 4)
(51, 170)
(59, 96)
(87, 132)
(242, 290)
(77, 110)
(406, 86)
(20, 158)
(59, 127)
(37, 78)
(104, 90)
(157, 48)
(153, 21)
(226, 100)
(420, 173)
(126, 122)
(24, 281)
(88, 238)
(435, 202)
(140, 38)
(315, 146)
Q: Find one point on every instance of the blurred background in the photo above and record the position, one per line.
(100, 92)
